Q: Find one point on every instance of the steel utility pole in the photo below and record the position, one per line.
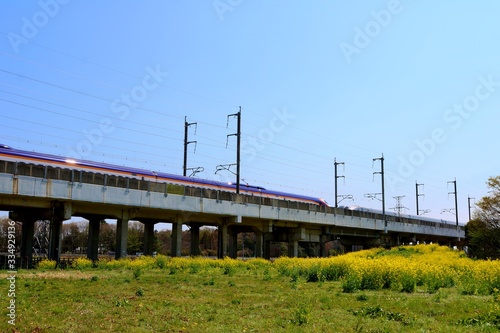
(468, 200)
(456, 198)
(186, 143)
(238, 146)
(418, 195)
(335, 163)
(381, 172)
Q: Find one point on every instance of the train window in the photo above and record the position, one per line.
(10, 167)
(38, 171)
(52, 173)
(99, 179)
(24, 169)
(65, 174)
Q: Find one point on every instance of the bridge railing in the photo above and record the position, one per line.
(398, 219)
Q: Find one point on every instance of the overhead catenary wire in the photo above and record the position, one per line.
(254, 111)
(326, 158)
(84, 93)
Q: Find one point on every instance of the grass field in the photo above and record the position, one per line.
(203, 295)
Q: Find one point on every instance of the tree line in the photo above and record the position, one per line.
(74, 238)
(483, 231)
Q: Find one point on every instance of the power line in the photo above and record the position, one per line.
(71, 108)
(122, 72)
(79, 118)
(65, 72)
(292, 148)
(87, 94)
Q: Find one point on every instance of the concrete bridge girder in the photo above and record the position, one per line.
(77, 199)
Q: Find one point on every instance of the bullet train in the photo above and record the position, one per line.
(8, 153)
(390, 216)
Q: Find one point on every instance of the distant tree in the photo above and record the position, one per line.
(41, 237)
(208, 241)
(74, 237)
(186, 243)
(135, 240)
(279, 249)
(483, 232)
(246, 244)
(69, 235)
(5, 223)
(107, 236)
(164, 241)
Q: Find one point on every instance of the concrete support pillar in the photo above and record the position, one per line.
(222, 241)
(195, 240)
(267, 237)
(258, 245)
(233, 245)
(293, 249)
(28, 219)
(326, 236)
(149, 238)
(266, 246)
(121, 237)
(93, 239)
(55, 238)
(27, 234)
(176, 250)
(322, 246)
(60, 211)
(317, 249)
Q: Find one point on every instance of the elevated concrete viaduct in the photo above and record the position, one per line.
(56, 195)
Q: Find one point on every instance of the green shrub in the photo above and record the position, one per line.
(161, 261)
(372, 281)
(228, 269)
(137, 273)
(301, 315)
(351, 283)
(408, 283)
(334, 271)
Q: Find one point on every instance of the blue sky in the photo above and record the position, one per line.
(417, 81)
